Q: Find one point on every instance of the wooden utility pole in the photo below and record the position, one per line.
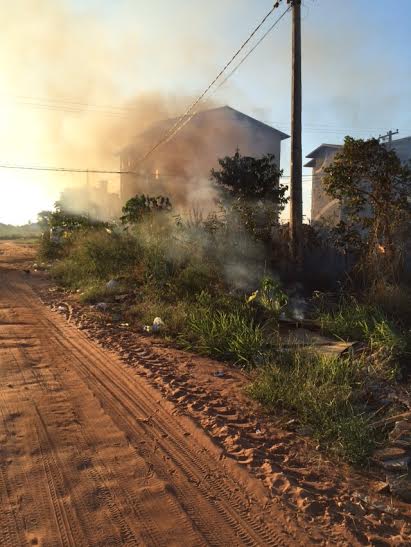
(388, 136)
(296, 191)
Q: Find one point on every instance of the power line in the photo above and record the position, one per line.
(253, 48)
(176, 127)
(190, 117)
(68, 109)
(71, 170)
(103, 171)
(118, 111)
(324, 129)
(70, 102)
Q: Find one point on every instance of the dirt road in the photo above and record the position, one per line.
(92, 455)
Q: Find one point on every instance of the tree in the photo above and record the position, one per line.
(138, 207)
(250, 188)
(61, 218)
(374, 190)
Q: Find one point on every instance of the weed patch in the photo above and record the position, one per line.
(357, 321)
(225, 331)
(96, 256)
(324, 393)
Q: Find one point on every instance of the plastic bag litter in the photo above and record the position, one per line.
(112, 284)
(158, 324)
(56, 234)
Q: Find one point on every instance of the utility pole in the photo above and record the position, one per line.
(296, 191)
(388, 136)
(87, 195)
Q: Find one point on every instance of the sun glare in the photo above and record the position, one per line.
(22, 198)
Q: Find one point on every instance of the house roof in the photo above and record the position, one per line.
(163, 125)
(400, 141)
(318, 152)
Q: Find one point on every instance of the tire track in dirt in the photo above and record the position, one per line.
(62, 496)
(174, 448)
(111, 464)
(157, 534)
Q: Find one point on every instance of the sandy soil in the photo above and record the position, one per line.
(120, 441)
(92, 455)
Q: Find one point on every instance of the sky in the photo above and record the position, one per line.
(133, 61)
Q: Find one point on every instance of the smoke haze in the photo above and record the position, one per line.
(66, 98)
(151, 58)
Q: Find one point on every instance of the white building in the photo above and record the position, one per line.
(323, 206)
(181, 167)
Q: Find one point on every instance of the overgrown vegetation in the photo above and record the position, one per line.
(373, 187)
(211, 281)
(251, 192)
(325, 393)
(27, 231)
(224, 329)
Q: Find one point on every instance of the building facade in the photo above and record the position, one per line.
(323, 207)
(180, 168)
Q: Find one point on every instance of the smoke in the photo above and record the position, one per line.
(77, 86)
(149, 59)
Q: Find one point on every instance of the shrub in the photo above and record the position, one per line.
(97, 256)
(323, 392)
(194, 279)
(49, 250)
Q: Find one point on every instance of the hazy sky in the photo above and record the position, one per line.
(158, 55)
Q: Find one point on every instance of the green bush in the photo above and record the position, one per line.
(194, 279)
(97, 256)
(324, 394)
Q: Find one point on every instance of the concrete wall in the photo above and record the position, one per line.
(323, 207)
(184, 163)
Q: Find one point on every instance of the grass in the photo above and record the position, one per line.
(98, 292)
(393, 300)
(324, 393)
(226, 335)
(174, 314)
(364, 321)
(168, 282)
(28, 231)
(95, 257)
(180, 277)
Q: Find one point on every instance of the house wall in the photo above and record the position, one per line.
(323, 207)
(184, 164)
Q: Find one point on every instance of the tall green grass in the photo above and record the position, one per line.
(324, 392)
(224, 328)
(97, 256)
(363, 321)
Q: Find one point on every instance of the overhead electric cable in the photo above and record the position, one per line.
(123, 112)
(253, 48)
(194, 112)
(176, 126)
(95, 171)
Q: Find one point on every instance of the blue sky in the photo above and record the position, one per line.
(356, 70)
